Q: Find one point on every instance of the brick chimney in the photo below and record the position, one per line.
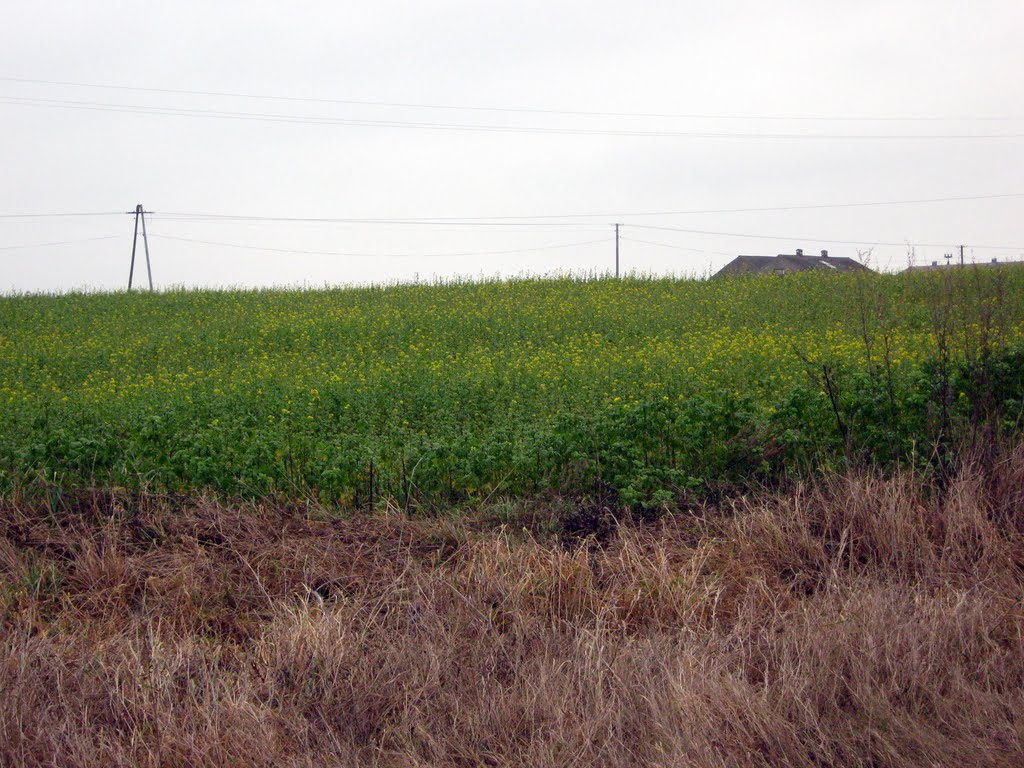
(799, 251)
(824, 253)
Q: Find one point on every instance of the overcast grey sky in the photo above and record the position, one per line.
(729, 67)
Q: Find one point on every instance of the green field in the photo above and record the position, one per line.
(655, 389)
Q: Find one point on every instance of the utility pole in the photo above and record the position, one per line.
(617, 251)
(140, 215)
(961, 255)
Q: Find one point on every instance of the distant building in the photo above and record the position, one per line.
(786, 263)
(950, 264)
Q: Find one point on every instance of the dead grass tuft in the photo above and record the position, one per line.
(859, 621)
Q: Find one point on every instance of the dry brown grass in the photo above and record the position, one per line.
(856, 622)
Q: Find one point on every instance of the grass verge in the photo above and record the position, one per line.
(860, 620)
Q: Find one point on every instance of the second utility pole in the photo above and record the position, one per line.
(616, 251)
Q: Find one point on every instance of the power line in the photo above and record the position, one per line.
(817, 239)
(57, 242)
(526, 220)
(811, 206)
(440, 227)
(378, 255)
(493, 220)
(454, 222)
(479, 128)
(675, 247)
(58, 215)
(521, 110)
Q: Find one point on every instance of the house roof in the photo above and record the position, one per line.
(784, 263)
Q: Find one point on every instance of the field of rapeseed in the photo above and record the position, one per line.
(653, 389)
